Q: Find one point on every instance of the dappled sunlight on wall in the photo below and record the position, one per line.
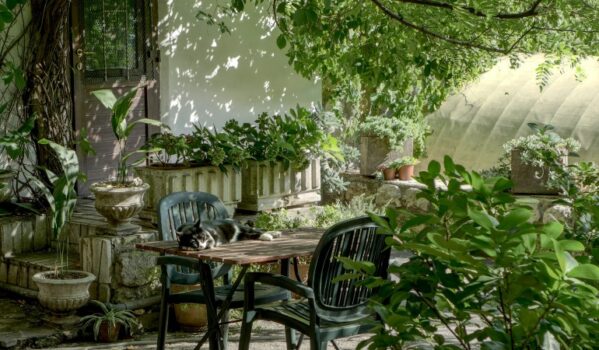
(472, 125)
(208, 77)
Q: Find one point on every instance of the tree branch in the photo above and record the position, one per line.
(398, 17)
(530, 12)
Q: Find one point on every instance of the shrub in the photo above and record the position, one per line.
(483, 272)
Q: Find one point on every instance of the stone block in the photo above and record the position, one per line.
(136, 268)
(3, 271)
(13, 274)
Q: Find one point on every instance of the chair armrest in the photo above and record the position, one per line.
(278, 281)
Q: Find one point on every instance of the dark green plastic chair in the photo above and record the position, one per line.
(327, 310)
(187, 207)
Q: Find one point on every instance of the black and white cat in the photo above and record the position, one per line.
(206, 235)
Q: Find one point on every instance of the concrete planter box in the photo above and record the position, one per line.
(211, 179)
(374, 151)
(529, 179)
(267, 187)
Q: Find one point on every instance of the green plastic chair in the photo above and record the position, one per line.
(327, 310)
(187, 207)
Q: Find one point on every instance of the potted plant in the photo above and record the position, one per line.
(204, 161)
(12, 146)
(387, 138)
(536, 159)
(107, 324)
(284, 169)
(389, 172)
(405, 167)
(62, 290)
(121, 199)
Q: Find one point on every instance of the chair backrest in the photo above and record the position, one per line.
(180, 208)
(356, 239)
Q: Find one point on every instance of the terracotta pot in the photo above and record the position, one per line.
(406, 172)
(389, 173)
(189, 316)
(118, 204)
(5, 190)
(109, 333)
(63, 295)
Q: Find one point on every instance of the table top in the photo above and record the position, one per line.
(292, 243)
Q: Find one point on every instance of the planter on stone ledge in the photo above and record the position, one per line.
(375, 151)
(266, 186)
(164, 180)
(528, 179)
(118, 204)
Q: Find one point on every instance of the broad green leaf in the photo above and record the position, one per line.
(549, 342)
(571, 246)
(434, 168)
(553, 229)
(585, 271)
(106, 97)
(515, 217)
(481, 218)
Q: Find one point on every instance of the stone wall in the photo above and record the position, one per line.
(403, 194)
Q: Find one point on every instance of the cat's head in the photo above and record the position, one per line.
(194, 236)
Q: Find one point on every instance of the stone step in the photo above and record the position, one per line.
(19, 270)
(23, 234)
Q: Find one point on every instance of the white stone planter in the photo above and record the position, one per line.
(266, 186)
(211, 179)
(5, 189)
(63, 295)
(119, 204)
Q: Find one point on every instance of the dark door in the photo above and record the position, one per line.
(114, 47)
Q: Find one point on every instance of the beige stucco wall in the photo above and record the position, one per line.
(208, 77)
(472, 125)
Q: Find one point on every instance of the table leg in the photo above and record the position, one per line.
(290, 334)
(213, 332)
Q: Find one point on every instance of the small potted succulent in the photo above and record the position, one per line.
(120, 199)
(405, 167)
(389, 172)
(107, 324)
(534, 159)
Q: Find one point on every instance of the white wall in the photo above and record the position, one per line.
(208, 77)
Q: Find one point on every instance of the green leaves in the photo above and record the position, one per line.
(585, 271)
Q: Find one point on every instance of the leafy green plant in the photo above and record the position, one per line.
(122, 129)
(293, 139)
(169, 149)
(110, 316)
(397, 131)
(62, 198)
(403, 161)
(483, 272)
(227, 147)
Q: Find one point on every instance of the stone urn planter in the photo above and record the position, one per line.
(166, 180)
(6, 177)
(529, 179)
(266, 186)
(63, 296)
(118, 204)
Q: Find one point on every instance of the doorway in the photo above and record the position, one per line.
(113, 47)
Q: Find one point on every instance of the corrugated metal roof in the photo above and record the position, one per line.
(472, 125)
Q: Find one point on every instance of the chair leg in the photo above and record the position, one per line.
(163, 324)
(291, 339)
(246, 330)
(316, 342)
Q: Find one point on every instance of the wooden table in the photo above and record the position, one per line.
(293, 243)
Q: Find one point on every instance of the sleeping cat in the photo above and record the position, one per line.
(206, 235)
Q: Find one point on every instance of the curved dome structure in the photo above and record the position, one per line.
(472, 125)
